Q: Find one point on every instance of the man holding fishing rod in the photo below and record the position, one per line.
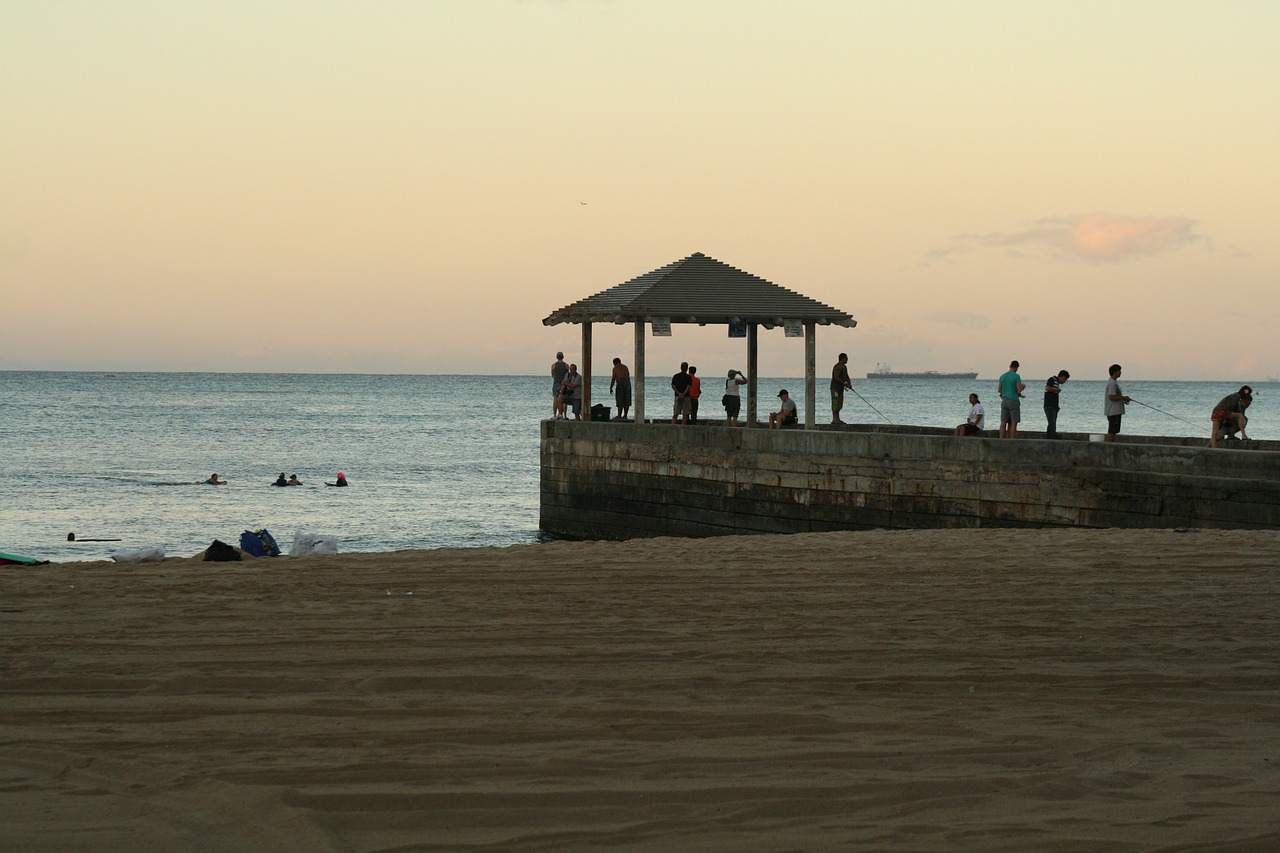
(1114, 403)
(839, 381)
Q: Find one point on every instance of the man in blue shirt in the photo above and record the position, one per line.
(1010, 401)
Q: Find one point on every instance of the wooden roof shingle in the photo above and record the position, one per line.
(699, 289)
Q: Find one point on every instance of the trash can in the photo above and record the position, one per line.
(600, 413)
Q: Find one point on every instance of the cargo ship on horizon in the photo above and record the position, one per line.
(883, 371)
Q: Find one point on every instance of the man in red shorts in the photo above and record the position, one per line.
(1228, 416)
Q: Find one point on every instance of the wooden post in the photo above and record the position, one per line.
(810, 370)
(585, 370)
(753, 338)
(637, 374)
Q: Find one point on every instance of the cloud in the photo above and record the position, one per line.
(961, 319)
(1097, 238)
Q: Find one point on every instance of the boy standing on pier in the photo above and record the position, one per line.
(1114, 403)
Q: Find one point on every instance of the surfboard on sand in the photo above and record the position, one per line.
(16, 560)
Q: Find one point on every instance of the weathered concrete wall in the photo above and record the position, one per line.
(617, 481)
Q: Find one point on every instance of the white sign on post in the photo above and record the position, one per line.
(661, 326)
(793, 328)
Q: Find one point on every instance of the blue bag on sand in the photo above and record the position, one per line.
(259, 543)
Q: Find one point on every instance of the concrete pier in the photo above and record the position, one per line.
(624, 480)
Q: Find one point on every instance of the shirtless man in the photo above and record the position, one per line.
(620, 387)
(839, 381)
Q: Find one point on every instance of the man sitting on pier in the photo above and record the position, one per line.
(786, 414)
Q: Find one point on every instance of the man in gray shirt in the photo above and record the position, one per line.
(1114, 403)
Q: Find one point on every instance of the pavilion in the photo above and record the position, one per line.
(702, 290)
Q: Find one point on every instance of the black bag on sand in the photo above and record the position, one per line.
(221, 552)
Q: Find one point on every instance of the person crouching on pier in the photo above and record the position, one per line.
(1228, 416)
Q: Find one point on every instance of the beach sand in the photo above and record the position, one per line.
(910, 690)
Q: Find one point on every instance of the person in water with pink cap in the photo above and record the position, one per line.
(342, 480)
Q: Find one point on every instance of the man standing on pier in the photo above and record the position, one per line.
(620, 387)
(695, 393)
(1052, 389)
(1010, 401)
(1114, 403)
(680, 384)
(573, 393)
(839, 381)
(559, 370)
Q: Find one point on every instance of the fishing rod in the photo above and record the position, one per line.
(1161, 411)
(873, 408)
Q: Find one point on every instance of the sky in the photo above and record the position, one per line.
(411, 187)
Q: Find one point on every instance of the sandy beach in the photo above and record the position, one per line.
(911, 690)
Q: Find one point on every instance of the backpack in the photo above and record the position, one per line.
(259, 543)
(221, 552)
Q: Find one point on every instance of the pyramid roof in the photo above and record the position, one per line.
(699, 289)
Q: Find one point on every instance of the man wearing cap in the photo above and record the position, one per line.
(786, 414)
(1228, 416)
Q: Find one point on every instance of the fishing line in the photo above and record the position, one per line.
(873, 408)
(1162, 411)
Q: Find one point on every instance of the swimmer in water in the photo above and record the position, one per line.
(342, 480)
(293, 480)
(281, 481)
(213, 481)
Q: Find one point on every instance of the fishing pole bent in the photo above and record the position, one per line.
(1161, 411)
(873, 408)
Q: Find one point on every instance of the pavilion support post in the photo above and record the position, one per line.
(810, 373)
(585, 370)
(753, 360)
(637, 378)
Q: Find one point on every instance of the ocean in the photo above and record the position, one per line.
(433, 461)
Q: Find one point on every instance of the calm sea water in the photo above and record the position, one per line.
(433, 461)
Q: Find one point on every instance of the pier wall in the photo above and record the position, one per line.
(621, 480)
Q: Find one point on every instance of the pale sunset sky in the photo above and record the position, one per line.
(410, 187)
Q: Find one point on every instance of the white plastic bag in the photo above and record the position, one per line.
(139, 555)
(311, 543)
